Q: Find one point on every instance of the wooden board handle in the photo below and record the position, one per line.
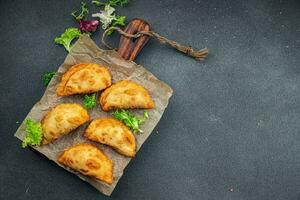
(128, 47)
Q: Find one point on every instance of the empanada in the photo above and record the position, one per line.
(61, 120)
(84, 78)
(125, 94)
(112, 133)
(88, 160)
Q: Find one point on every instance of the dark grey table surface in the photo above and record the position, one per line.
(231, 130)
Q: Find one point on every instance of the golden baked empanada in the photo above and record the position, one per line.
(112, 133)
(84, 78)
(125, 94)
(61, 120)
(88, 160)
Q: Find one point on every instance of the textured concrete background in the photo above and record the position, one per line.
(231, 130)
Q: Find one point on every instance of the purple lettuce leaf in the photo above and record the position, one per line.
(88, 25)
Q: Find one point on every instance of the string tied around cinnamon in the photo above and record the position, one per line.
(188, 50)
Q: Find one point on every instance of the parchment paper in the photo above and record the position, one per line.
(86, 51)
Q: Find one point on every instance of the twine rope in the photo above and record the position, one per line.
(188, 50)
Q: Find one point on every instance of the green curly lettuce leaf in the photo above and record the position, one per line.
(67, 37)
(34, 133)
(112, 3)
(46, 78)
(119, 21)
(89, 101)
(99, 3)
(83, 11)
(131, 120)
